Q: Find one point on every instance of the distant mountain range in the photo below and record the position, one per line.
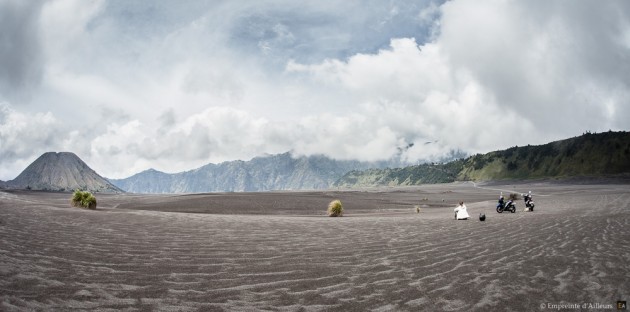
(590, 155)
(60, 172)
(273, 172)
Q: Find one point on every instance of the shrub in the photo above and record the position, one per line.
(335, 209)
(83, 199)
(514, 196)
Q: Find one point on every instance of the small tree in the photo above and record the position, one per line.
(335, 209)
(83, 199)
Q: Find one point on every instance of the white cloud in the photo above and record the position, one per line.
(129, 86)
(216, 134)
(414, 91)
(543, 60)
(498, 74)
(23, 137)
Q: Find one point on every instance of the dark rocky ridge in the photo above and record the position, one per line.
(61, 172)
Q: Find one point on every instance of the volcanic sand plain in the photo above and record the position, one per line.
(277, 251)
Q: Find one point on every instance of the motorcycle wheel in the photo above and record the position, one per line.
(531, 208)
(499, 209)
(513, 209)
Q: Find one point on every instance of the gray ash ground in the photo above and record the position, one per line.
(277, 251)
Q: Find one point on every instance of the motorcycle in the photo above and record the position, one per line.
(529, 202)
(509, 206)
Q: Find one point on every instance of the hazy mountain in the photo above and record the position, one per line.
(590, 155)
(148, 181)
(61, 172)
(273, 172)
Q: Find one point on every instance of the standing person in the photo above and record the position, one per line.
(461, 212)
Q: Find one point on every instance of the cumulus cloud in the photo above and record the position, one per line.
(23, 137)
(216, 134)
(545, 60)
(417, 93)
(130, 86)
(498, 74)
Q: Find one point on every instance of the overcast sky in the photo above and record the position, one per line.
(173, 85)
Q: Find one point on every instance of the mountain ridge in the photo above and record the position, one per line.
(591, 155)
(263, 173)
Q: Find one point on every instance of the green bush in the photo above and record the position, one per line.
(335, 209)
(83, 199)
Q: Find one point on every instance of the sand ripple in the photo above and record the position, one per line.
(55, 258)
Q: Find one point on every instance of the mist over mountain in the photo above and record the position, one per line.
(272, 172)
(60, 172)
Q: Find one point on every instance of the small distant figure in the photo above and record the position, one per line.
(482, 217)
(529, 201)
(461, 212)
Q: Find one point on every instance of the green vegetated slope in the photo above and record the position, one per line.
(412, 175)
(592, 155)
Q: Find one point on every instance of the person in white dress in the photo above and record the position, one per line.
(461, 212)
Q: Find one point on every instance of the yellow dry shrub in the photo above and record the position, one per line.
(335, 209)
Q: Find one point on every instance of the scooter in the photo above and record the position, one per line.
(509, 206)
(529, 203)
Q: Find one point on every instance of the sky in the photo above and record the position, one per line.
(174, 85)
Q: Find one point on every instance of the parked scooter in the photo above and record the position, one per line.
(509, 206)
(529, 201)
